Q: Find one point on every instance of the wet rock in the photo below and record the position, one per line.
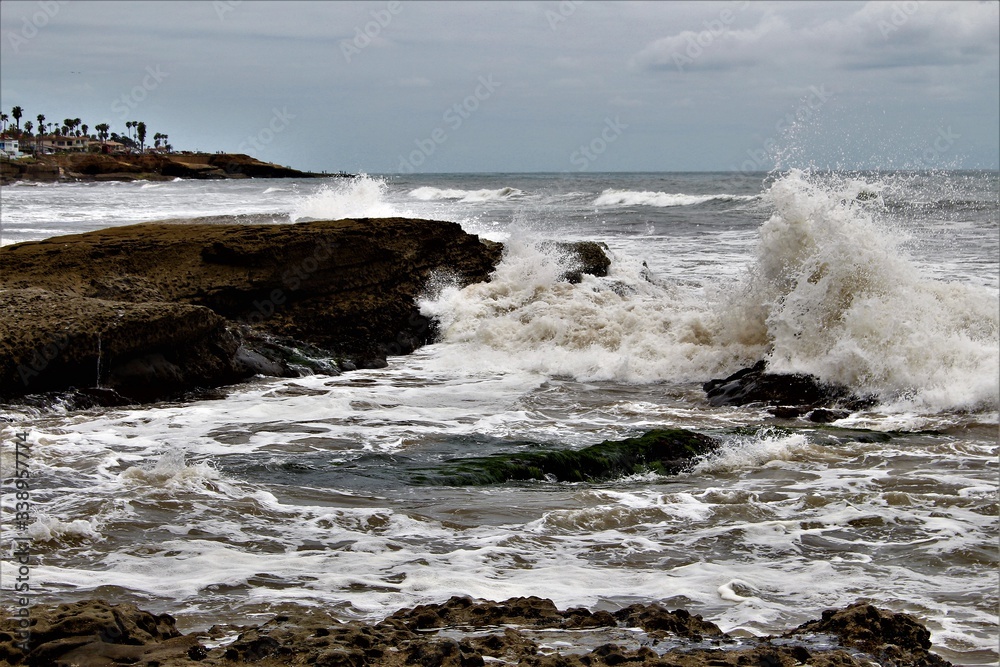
(92, 633)
(661, 451)
(892, 638)
(825, 415)
(462, 633)
(788, 390)
(588, 257)
(656, 620)
(149, 310)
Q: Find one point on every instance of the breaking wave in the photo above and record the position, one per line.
(660, 199)
(830, 293)
(428, 193)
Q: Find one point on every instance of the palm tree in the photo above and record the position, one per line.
(4, 118)
(41, 123)
(27, 126)
(102, 131)
(84, 127)
(17, 112)
(141, 133)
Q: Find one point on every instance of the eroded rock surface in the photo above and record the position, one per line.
(460, 632)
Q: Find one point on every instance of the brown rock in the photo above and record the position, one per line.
(163, 307)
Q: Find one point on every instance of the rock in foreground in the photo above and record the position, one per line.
(660, 451)
(460, 632)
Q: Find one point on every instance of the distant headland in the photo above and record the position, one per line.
(67, 152)
(144, 166)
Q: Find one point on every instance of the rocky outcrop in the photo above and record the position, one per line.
(660, 451)
(458, 633)
(788, 394)
(150, 310)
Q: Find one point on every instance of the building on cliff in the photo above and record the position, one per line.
(9, 146)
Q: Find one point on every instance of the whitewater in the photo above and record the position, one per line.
(299, 491)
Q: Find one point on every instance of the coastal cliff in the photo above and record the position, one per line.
(147, 166)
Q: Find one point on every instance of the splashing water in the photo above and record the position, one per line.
(831, 293)
(360, 197)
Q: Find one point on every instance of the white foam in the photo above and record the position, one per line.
(620, 328)
(360, 197)
(49, 529)
(428, 193)
(834, 295)
(830, 293)
(612, 197)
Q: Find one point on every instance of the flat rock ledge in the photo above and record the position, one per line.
(145, 312)
(459, 633)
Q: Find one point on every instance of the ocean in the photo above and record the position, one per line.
(305, 491)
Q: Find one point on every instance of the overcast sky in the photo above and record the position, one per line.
(385, 87)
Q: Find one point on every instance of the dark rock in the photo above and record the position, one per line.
(755, 385)
(825, 416)
(150, 310)
(787, 411)
(891, 637)
(588, 257)
(661, 451)
(93, 633)
(656, 620)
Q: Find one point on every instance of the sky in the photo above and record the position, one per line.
(401, 87)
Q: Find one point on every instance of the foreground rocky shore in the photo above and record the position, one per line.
(148, 166)
(460, 633)
(149, 311)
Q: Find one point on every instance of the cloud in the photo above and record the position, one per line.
(879, 35)
(717, 47)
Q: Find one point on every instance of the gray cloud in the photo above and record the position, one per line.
(564, 67)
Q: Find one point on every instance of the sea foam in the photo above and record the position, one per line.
(833, 294)
(613, 197)
(428, 193)
(360, 197)
(830, 292)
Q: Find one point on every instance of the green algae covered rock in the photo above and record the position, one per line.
(660, 451)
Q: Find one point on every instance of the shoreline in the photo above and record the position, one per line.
(96, 167)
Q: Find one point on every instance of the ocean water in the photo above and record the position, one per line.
(303, 491)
